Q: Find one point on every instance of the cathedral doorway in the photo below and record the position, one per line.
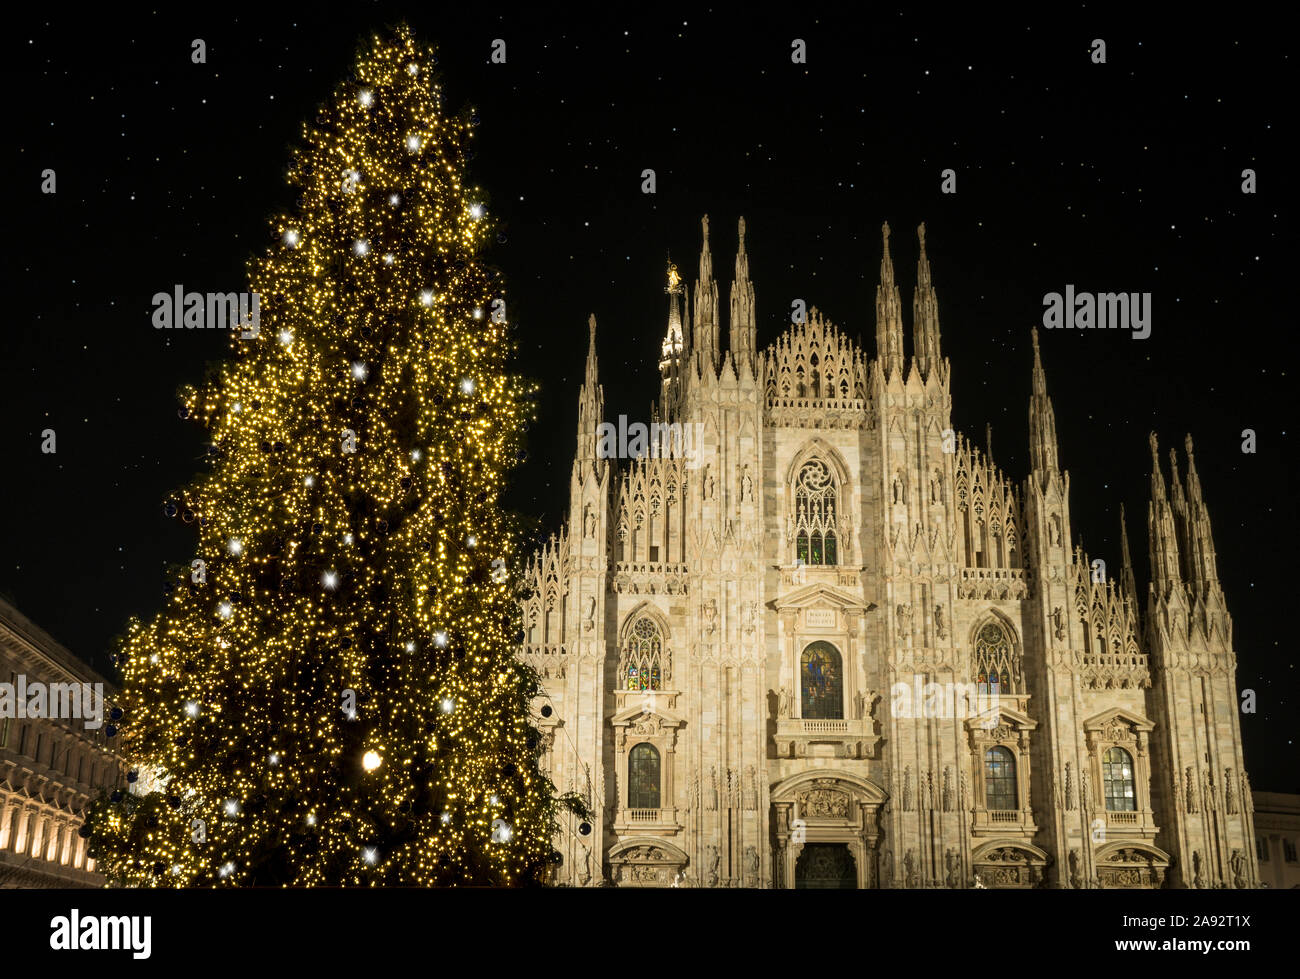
(826, 866)
(826, 828)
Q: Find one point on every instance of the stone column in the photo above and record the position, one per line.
(6, 812)
(65, 842)
(26, 829)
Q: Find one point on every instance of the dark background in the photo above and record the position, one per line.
(1117, 177)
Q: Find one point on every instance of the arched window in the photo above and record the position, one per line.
(1117, 778)
(997, 671)
(814, 515)
(643, 777)
(1000, 779)
(822, 682)
(644, 656)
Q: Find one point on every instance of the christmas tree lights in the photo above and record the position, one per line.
(329, 696)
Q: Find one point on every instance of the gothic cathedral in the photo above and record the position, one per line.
(833, 645)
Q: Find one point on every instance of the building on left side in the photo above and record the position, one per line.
(53, 765)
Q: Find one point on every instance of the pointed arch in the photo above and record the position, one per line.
(817, 491)
(997, 655)
(644, 658)
(816, 448)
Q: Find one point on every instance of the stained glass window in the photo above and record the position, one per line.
(997, 670)
(822, 683)
(643, 656)
(1117, 777)
(643, 777)
(815, 499)
(1000, 779)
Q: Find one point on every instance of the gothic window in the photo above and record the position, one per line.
(1000, 779)
(1261, 849)
(643, 656)
(997, 670)
(1117, 777)
(822, 682)
(1288, 850)
(815, 501)
(643, 777)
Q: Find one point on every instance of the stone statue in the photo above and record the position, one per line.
(708, 481)
(909, 869)
(713, 861)
(869, 708)
(1229, 797)
(904, 612)
(953, 863)
(1058, 620)
(588, 522)
(584, 876)
(746, 485)
(940, 628)
(1075, 879)
(1238, 864)
(751, 861)
(783, 703)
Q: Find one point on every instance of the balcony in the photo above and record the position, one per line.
(844, 738)
(655, 822)
(650, 578)
(1004, 822)
(994, 584)
(816, 412)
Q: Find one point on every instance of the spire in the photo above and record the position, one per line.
(988, 441)
(1127, 582)
(925, 316)
(1161, 531)
(592, 368)
(671, 350)
(705, 342)
(1194, 497)
(1202, 572)
(1176, 491)
(591, 400)
(889, 315)
(741, 340)
(1042, 420)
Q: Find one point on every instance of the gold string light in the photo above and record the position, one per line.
(331, 697)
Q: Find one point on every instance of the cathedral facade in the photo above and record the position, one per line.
(824, 641)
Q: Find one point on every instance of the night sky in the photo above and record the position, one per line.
(1117, 177)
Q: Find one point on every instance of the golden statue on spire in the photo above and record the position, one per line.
(673, 277)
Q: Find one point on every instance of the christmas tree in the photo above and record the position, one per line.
(329, 696)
